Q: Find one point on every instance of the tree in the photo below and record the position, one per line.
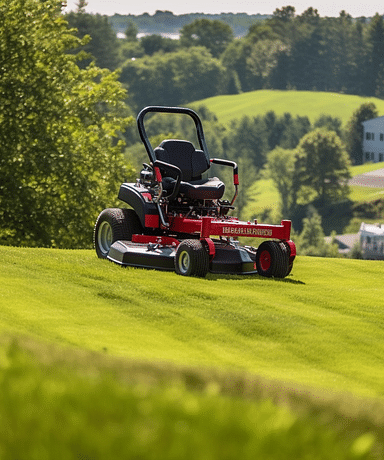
(324, 165)
(311, 241)
(234, 58)
(330, 123)
(81, 5)
(103, 45)
(354, 131)
(375, 34)
(281, 166)
(155, 43)
(213, 34)
(263, 61)
(247, 138)
(173, 78)
(285, 14)
(131, 32)
(60, 154)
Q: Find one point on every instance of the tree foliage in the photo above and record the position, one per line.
(316, 171)
(284, 174)
(60, 158)
(355, 130)
(173, 78)
(311, 241)
(212, 34)
(102, 46)
(324, 164)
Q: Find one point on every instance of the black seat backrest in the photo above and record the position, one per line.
(183, 154)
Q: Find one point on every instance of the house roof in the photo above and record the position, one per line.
(373, 120)
(372, 229)
(344, 242)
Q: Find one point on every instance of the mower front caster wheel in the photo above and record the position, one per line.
(191, 259)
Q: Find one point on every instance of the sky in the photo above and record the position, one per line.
(324, 7)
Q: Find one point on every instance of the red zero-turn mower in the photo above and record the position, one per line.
(179, 220)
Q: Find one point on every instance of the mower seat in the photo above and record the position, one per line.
(192, 163)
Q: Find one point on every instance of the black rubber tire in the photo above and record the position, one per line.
(272, 259)
(114, 224)
(290, 264)
(192, 259)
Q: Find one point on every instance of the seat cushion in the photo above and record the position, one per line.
(203, 189)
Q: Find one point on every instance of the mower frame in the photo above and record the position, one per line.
(169, 231)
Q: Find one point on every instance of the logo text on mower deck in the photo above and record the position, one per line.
(247, 231)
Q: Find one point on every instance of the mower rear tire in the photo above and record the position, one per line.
(192, 259)
(272, 259)
(114, 224)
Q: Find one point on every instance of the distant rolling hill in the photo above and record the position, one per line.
(304, 103)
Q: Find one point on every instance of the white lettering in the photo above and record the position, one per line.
(267, 232)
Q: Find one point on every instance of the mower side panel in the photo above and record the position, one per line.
(139, 198)
(233, 261)
(142, 255)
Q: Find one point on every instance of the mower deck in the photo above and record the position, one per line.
(228, 258)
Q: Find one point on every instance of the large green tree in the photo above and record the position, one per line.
(213, 34)
(174, 78)
(323, 165)
(60, 157)
(103, 46)
(354, 131)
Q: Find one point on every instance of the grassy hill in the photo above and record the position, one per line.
(206, 368)
(304, 103)
(264, 196)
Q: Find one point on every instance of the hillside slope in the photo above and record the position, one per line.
(156, 362)
(322, 326)
(303, 103)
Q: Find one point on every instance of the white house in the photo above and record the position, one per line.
(373, 140)
(372, 241)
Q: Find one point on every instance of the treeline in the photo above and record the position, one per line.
(284, 51)
(165, 22)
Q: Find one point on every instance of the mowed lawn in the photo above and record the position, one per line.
(322, 326)
(97, 361)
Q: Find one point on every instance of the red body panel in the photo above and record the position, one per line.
(163, 240)
(230, 227)
(152, 221)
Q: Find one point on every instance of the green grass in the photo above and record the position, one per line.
(366, 194)
(367, 167)
(85, 406)
(304, 103)
(263, 194)
(191, 368)
(72, 298)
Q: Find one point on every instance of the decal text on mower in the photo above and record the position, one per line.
(247, 231)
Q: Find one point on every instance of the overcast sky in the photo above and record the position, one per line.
(325, 7)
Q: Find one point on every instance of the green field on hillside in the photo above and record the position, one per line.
(263, 194)
(304, 103)
(198, 368)
(73, 298)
